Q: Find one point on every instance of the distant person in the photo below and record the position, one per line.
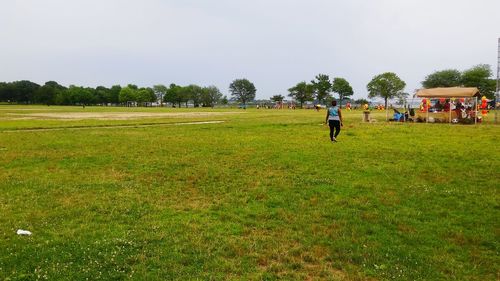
(334, 119)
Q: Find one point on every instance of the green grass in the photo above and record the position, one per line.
(263, 196)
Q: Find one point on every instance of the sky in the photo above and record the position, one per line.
(273, 43)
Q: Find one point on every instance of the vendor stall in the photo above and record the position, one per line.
(448, 105)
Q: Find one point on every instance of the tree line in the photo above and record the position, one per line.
(319, 89)
(386, 86)
(477, 76)
(52, 93)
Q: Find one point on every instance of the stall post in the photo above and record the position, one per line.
(449, 109)
(427, 111)
(475, 108)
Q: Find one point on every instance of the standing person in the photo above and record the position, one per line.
(334, 119)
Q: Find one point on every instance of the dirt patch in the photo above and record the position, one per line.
(111, 126)
(116, 115)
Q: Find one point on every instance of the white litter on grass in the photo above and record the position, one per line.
(23, 232)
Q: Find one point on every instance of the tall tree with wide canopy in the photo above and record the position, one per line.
(242, 90)
(386, 85)
(342, 88)
(173, 94)
(480, 76)
(322, 87)
(48, 92)
(160, 91)
(211, 96)
(23, 91)
(145, 95)
(443, 78)
(194, 93)
(101, 95)
(277, 98)
(113, 94)
(127, 94)
(77, 95)
(302, 92)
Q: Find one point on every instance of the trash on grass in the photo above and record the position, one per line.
(23, 232)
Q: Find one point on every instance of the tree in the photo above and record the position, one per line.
(5, 92)
(211, 96)
(101, 95)
(387, 86)
(128, 94)
(144, 95)
(22, 91)
(77, 95)
(479, 76)
(277, 98)
(160, 91)
(243, 90)
(443, 78)
(342, 88)
(361, 101)
(194, 93)
(224, 100)
(183, 95)
(48, 92)
(322, 87)
(302, 92)
(173, 95)
(401, 98)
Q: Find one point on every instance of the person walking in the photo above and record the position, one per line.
(334, 120)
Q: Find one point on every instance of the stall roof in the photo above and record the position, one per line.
(453, 92)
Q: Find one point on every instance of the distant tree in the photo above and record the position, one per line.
(211, 96)
(48, 92)
(22, 91)
(183, 95)
(144, 95)
(173, 94)
(387, 86)
(302, 92)
(277, 98)
(322, 87)
(128, 94)
(114, 94)
(243, 90)
(133, 87)
(87, 96)
(443, 78)
(224, 100)
(480, 76)
(101, 95)
(194, 93)
(361, 101)
(160, 91)
(5, 93)
(342, 88)
(401, 98)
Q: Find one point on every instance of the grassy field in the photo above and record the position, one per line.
(262, 196)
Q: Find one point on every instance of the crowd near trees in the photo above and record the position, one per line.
(52, 93)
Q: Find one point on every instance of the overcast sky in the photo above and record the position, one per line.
(273, 43)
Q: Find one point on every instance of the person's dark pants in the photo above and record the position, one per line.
(334, 128)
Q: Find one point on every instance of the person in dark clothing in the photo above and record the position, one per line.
(334, 120)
